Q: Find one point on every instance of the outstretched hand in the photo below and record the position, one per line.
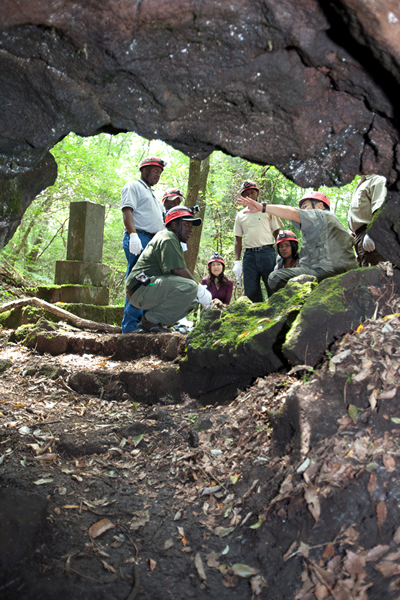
(252, 205)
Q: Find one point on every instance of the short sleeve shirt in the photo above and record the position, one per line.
(256, 229)
(147, 210)
(162, 254)
(311, 223)
(368, 197)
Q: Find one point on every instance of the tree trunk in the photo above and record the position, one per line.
(196, 194)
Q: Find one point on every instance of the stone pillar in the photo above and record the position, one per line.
(83, 271)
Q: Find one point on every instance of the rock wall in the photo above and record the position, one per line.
(308, 86)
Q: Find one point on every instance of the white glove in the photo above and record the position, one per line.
(237, 269)
(203, 295)
(368, 244)
(135, 245)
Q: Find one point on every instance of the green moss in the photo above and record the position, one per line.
(243, 321)
(5, 364)
(328, 301)
(12, 199)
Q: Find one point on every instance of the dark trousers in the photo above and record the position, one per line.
(132, 315)
(364, 258)
(257, 265)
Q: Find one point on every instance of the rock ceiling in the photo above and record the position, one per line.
(310, 87)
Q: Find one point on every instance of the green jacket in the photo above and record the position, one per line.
(327, 244)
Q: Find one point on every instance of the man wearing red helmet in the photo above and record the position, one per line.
(327, 248)
(171, 198)
(257, 233)
(159, 282)
(143, 218)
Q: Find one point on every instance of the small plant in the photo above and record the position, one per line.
(349, 377)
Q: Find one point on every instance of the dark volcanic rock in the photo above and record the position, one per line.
(22, 516)
(336, 307)
(18, 191)
(385, 229)
(244, 341)
(308, 86)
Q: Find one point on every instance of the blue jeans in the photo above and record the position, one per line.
(132, 315)
(257, 265)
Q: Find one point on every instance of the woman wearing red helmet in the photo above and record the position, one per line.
(287, 246)
(217, 282)
(327, 246)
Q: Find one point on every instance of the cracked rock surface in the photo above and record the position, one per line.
(307, 86)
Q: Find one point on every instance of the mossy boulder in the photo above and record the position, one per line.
(336, 307)
(246, 339)
(27, 334)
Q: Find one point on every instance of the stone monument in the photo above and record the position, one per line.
(83, 277)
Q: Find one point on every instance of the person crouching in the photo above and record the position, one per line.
(160, 283)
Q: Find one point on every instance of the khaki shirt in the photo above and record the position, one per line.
(368, 197)
(256, 229)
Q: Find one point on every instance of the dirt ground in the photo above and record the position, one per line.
(185, 501)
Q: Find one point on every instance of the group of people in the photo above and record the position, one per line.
(160, 290)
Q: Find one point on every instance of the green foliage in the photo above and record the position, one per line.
(97, 168)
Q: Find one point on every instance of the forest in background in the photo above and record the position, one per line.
(97, 168)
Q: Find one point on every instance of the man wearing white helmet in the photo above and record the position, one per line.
(143, 218)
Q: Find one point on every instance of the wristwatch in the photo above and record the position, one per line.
(264, 206)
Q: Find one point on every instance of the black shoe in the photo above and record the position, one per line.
(153, 327)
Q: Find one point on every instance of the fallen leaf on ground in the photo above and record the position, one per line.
(388, 568)
(381, 513)
(352, 564)
(313, 504)
(372, 483)
(389, 462)
(42, 481)
(244, 570)
(108, 567)
(212, 560)
(100, 527)
(141, 518)
(377, 552)
(396, 537)
(152, 564)
(388, 394)
(353, 412)
(229, 581)
(223, 531)
(168, 544)
(257, 525)
(257, 583)
(199, 566)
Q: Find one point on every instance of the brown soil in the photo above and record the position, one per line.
(196, 497)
